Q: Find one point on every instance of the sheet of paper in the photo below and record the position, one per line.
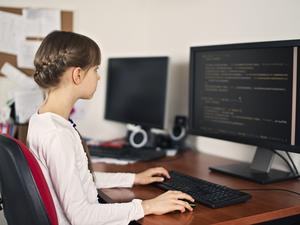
(26, 53)
(27, 103)
(18, 76)
(111, 161)
(12, 32)
(41, 22)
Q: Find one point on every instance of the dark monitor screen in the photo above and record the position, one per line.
(136, 90)
(247, 93)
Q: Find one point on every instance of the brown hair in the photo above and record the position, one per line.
(59, 51)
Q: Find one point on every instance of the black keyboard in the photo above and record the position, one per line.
(205, 192)
(126, 153)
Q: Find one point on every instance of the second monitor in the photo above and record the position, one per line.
(136, 91)
(248, 93)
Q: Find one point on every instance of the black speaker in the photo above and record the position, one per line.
(163, 141)
(179, 131)
(139, 137)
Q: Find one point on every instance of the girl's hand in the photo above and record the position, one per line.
(157, 174)
(167, 202)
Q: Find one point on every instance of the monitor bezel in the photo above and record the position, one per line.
(143, 124)
(249, 141)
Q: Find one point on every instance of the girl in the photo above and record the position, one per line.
(66, 66)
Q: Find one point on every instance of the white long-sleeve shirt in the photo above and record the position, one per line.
(59, 152)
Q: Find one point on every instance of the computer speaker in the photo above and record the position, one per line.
(179, 130)
(138, 137)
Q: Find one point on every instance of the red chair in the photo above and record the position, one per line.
(26, 198)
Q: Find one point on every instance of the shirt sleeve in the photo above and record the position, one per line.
(61, 162)
(111, 180)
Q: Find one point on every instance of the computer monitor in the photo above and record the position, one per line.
(136, 91)
(248, 93)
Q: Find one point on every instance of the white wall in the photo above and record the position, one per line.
(170, 27)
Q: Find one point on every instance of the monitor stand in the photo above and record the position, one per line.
(259, 170)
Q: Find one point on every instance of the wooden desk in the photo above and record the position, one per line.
(264, 205)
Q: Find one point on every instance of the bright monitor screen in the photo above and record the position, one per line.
(247, 93)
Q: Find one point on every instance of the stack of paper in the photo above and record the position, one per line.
(27, 95)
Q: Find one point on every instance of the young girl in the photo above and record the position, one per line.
(66, 67)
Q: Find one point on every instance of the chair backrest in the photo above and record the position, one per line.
(25, 193)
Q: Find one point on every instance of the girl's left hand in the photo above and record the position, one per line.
(157, 174)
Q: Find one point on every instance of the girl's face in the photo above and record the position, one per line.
(90, 82)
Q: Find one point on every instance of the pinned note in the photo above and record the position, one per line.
(12, 32)
(41, 21)
(27, 52)
(17, 76)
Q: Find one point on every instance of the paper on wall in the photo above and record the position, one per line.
(26, 54)
(27, 103)
(38, 23)
(18, 76)
(12, 32)
(41, 22)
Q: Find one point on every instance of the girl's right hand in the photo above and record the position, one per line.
(167, 202)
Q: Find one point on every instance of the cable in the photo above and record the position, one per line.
(1, 204)
(292, 161)
(284, 159)
(269, 189)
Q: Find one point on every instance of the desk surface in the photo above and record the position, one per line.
(264, 205)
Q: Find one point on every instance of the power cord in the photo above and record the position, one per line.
(284, 159)
(269, 189)
(292, 161)
(1, 204)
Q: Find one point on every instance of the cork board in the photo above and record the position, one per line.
(66, 25)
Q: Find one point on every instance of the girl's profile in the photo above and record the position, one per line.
(66, 67)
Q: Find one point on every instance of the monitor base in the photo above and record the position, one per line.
(244, 170)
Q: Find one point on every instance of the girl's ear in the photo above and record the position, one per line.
(77, 75)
